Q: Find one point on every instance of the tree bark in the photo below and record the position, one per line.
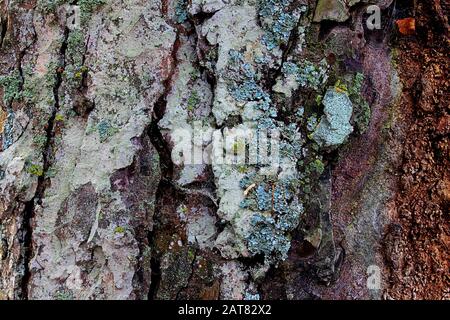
(114, 186)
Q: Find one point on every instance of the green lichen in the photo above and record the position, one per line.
(238, 147)
(87, 8)
(362, 111)
(318, 99)
(191, 254)
(194, 75)
(12, 85)
(31, 86)
(242, 168)
(59, 118)
(317, 166)
(193, 101)
(50, 80)
(49, 6)
(362, 117)
(51, 172)
(35, 170)
(63, 295)
(75, 70)
(340, 87)
(39, 140)
(119, 230)
(184, 209)
(75, 47)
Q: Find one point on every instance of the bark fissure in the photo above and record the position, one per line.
(4, 29)
(42, 179)
(166, 167)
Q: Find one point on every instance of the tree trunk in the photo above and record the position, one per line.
(212, 149)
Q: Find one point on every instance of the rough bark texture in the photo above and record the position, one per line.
(97, 196)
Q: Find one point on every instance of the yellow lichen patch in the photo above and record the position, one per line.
(340, 87)
(3, 117)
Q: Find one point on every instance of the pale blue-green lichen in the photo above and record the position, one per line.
(181, 11)
(277, 212)
(334, 126)
(243, 84)
(250, 296)
(279, 18)
(8, 130)
(266, 239)
(273, 201)
(307, 73)
(106, 130)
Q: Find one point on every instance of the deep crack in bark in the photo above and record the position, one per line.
(42, 182)
(166, 167)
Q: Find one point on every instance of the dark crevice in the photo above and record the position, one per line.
(4, 28)
(163, 226)
(26, 253)
(201, 17)
(248, 262)
(155, 265)
(166, 167)
(42, 180)
(83, 63)
(327, 26)
(161, 146)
